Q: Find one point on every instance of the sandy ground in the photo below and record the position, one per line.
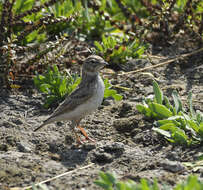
(125, 142)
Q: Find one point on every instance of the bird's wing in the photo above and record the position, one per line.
(82, 94)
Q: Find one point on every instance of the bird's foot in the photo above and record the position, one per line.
(82, 130)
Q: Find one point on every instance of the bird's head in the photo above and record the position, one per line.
(93, 64)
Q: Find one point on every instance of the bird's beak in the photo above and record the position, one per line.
(105, 63)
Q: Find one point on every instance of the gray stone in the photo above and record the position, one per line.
(172, 166)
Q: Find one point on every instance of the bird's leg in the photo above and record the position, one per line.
(79, 142)
(84, 133)
(78, 138)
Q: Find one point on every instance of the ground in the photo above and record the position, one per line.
(125, 141)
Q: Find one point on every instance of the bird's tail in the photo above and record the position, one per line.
(47, 121)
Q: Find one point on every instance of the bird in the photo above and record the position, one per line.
(84, 100)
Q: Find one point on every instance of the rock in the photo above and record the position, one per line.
(125, 109)
(102, 157)
(107, 102)
(172, 166)
(108, 152)
(11, 140)
(17, 121)
(24, 147)
(126, 124)
(3, 147)
(114, 147)
(173, 156)
(135, 64)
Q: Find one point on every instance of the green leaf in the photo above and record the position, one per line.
(165, 121)
(107, 83)
(162, 132)
(189, 99)
(200, 131)
(160, 110)
(86, 10)
(158, 93)
(111, 177)
(57, 8)
(103, 5)
(169, 127)
(99, 46)
(167, 103)
(32, 36)
(107, 178)
(55, 69)
(111, 92)
(177, 101)
(144, 184)
(120, 186)
(62, 87)
(180, 137)
(155, 185)
(144, 110)
(193, 125)
(117, 97)
(45, 88)
(50, 100)
(199, 116)
(101, 184)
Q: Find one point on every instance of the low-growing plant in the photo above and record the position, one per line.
(173, 121)
(109, 181)
(111, 92)
(56, 86)
(118, 49)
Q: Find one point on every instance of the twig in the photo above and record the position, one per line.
(122, 87)
(53, 178)
(164, 63)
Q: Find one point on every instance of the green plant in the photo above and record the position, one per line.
(24, 22)
(55, 85)
(111, 92)
(117, 49)
(109, 181)
(172, 121)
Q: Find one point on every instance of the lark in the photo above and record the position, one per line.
(84, 100)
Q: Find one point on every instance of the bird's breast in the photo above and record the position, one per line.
(97, 98)
(91, 105)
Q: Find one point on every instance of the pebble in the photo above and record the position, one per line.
(24, 147)
(172, 166)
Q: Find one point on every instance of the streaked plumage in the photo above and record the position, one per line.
(86, 98)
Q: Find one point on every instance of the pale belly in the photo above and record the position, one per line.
(88, 107)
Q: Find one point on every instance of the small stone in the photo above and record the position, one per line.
(3, 147)
(102, 157)
(11, 140)
(126, 108)
(173, 156)
(114, 147)
(107, 102)
(172, 166)
(106, 153)
(17, 121)
(89, 146)
(24, 147)
(125, 124)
